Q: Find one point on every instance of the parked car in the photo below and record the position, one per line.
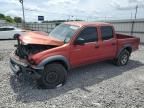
(71, 44)
(8, 32)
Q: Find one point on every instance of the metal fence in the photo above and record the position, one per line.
(135, 27)
(130, 27)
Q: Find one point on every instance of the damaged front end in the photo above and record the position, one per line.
(33, 43)
(23, 51)
(27, 46)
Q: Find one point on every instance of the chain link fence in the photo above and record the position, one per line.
(45, 27)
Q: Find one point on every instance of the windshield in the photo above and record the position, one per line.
(64, 32)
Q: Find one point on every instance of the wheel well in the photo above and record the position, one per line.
(60, 62)
(129, 49)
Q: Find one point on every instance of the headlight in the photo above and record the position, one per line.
(31, 61)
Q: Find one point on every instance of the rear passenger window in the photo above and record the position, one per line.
(89, 34)
(107, 32)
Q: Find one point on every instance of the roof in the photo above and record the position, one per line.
(7, 27)
(76, 23)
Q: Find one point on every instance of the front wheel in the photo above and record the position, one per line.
(123, 58)
(54, 75)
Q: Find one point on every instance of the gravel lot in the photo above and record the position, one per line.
(101, 85)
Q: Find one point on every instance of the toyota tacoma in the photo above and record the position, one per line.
(48, 58)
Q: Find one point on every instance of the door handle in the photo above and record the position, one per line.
(77, 49)
(113, 44)
(96, 46)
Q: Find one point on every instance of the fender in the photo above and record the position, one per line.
(124, 47)
(54, 58)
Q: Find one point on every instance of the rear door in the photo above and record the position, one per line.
(88, 52)
(109, 42)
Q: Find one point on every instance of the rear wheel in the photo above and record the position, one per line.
(54, 75)
(123, 58)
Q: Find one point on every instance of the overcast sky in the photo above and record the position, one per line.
(80, 9)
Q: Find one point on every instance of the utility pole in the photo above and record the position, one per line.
(136, 12)
(21, 1)
(132, 29)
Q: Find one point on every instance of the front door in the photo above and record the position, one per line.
(87, 52)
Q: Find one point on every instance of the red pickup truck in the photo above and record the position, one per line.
(47, 58)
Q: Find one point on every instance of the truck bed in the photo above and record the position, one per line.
(126, 40)
(123, 36)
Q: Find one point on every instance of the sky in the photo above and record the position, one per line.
(73, 9)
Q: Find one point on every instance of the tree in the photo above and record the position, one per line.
(2, 16)
(18, 19)
(9, 19)
(6, 18)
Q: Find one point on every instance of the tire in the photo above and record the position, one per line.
(54, 75)
(123, 58)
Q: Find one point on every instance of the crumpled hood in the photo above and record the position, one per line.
(39, 38)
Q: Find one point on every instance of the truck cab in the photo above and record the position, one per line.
(71, 44)
(94, 42)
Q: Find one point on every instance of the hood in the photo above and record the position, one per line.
(39, 38)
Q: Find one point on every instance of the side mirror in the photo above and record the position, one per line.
(79, 41)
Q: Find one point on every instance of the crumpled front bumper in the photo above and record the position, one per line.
(21, 66)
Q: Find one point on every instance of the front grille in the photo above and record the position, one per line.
(21, 52)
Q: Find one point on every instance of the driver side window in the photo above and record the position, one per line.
(89, 34)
